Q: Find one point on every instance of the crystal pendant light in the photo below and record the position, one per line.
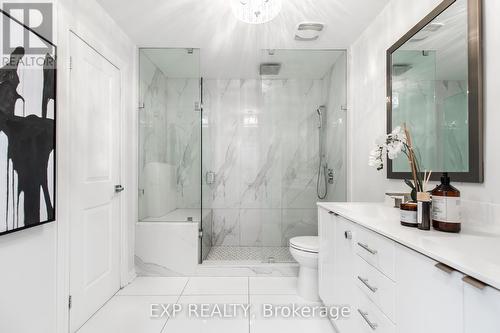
(256, 11)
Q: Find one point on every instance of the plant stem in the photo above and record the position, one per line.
(411, 160)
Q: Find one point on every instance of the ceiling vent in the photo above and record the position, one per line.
(309, 31)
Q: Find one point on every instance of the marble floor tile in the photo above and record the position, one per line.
(144, 286)
(273, 286)
(217, 286)
(244, 308)
(128, 314)
(259, 323)
(236, 321)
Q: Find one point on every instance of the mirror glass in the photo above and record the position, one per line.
(429, 77)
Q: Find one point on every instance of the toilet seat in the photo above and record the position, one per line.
(307, 244)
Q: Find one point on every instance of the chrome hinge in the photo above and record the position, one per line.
(70, 302)
(200, 233)
(198, 107)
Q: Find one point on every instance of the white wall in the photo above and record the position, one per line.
(30, 285)
(368, 116)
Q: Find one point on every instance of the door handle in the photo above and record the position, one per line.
(365, 282)
(445, 268)
(119, 188)
(364, 315)
(473, 282)
(367, 248)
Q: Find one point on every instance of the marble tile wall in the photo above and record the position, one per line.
(169, 137)
(261, 139)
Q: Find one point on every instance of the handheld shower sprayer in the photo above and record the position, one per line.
(322, 168)
(320, 111)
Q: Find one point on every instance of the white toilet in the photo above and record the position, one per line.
(305, 251)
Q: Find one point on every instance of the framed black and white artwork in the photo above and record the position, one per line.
(27, 127)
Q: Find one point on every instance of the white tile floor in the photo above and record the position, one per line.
(129, 310)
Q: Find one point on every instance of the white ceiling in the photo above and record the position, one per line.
(229, 46)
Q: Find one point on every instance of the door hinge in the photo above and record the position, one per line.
(70, 302)
(198, 107)
(70, 63)
(200, 233)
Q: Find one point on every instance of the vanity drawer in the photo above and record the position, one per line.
(377, 287)
(377, 250)
(369, 318)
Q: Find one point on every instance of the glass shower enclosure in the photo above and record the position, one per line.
(170, 137)
(245, 157)
(274, 143)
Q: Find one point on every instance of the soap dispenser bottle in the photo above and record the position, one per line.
(446, 213)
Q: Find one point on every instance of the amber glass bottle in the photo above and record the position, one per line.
(446, 214)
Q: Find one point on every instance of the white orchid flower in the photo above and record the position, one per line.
(375, 158)
(394, 149)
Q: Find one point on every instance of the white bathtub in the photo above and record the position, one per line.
(171, 245)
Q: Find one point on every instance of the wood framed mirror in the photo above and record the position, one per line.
(435, 87)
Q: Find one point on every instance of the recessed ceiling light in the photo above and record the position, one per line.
(256, 11)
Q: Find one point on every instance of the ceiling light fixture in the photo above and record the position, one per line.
(256, 11)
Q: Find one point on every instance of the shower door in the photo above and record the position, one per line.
(261, 150)
(170, 136)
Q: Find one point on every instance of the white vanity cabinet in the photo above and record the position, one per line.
(429, 296)
(336, 264)
(344, 289)
(393, 288)
(481, 309)
(326, 256)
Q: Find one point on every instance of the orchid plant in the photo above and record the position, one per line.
(397, 142)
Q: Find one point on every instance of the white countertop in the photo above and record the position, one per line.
(474, 252)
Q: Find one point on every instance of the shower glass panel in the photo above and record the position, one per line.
(274, 142)
(170, 136)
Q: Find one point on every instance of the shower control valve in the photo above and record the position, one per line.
(331, 176)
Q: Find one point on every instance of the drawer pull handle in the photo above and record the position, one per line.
(365, 282)
(444, 268)
(333, 213)
(473, 282)
(367, 248)
(372, 325)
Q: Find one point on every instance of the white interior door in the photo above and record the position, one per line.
(95, 207)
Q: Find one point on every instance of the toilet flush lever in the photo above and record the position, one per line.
(119, 188)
